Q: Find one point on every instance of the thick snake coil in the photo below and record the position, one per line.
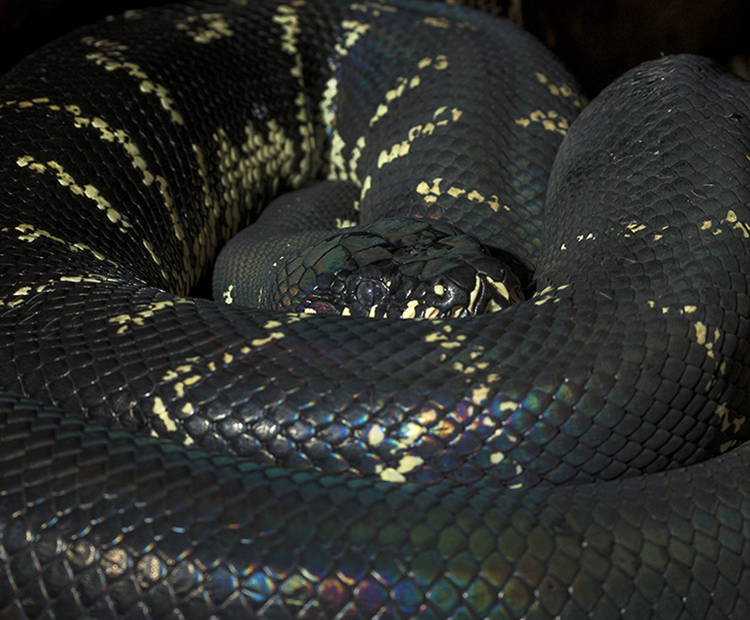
(355, 468)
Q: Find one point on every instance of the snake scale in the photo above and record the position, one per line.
(575, 456)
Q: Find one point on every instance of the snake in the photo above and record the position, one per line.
(165, 455)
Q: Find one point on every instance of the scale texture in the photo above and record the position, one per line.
(164, 456)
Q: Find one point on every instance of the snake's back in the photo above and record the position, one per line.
(166, 456)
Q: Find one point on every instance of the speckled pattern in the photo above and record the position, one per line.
(355, 468)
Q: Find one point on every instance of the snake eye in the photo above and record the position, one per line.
(371, 293)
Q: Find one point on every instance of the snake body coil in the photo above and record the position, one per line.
(504, 466)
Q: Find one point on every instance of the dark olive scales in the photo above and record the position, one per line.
(369, 468)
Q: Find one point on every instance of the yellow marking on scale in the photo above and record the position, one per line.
(410, 432)
(366, 185)
(550, 121)
(30, 233)
(109, 134)
(700, 332)
(437, 22)
(259, 342)
(242, 167)
(732, 219)
(93, 278)
(705, 338)
(497, 457)
(119, 136)
(635, 227)
(345, 223)
(110, 56)
(722, 412)
(548, 294)
(450, 345)
(214, 211)
(480, 394)
(408, 463)
(227, 295)
(152, 253)
(159, 410)
(435, 337)
(588, 237)
(375, 436)
(428, 417)
(338, 164)
(562, 90)
(391, 475)
(359, 146)
(178, 372)
(338, 167)
(476, 290)
(410, 311)
(206, 27)
(397, 150)
(148, 311)
(373, 8)
(288, 18)
(400, 149)
(66, 180)
(425, 188)
(404, 84)
(431, 312)
(509, 405)
(456, 192)
(295, 317)
(431, 193)
(353, 31)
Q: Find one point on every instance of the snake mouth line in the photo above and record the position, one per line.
(446, 299)
(487, 296)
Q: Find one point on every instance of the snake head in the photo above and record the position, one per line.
(407, 268)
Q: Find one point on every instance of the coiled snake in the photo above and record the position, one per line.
(503, 466)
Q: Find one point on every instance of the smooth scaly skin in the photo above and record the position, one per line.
(632, 356)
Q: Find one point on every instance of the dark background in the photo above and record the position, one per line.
(597, 39)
